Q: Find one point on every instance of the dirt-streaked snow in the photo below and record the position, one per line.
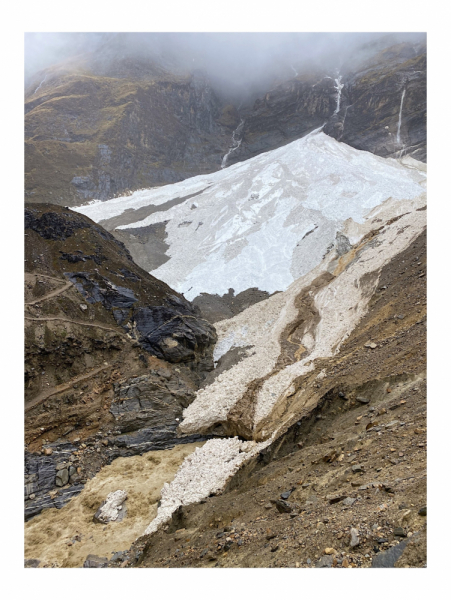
(204, 472)
(340, 305)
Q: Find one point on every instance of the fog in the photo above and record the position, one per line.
(237, 63)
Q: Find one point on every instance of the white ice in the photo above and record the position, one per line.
(249, 228)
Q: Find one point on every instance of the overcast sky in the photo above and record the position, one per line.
(232, 59)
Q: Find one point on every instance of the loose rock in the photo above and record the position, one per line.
(355, 540)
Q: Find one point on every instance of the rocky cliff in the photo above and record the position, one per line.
(93, 136)
(378, 105)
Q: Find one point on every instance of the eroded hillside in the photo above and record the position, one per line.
(112, 355)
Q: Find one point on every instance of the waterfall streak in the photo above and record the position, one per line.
(398, 135)
(40, 84)
(236, 143)
(338, 86)
(344, 120)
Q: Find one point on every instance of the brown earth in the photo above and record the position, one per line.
(365, 440)
(386, 493)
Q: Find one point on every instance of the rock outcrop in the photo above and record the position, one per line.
(89, 135)
(361, 107)
(44, 474)
(112, 356)
(160, 320)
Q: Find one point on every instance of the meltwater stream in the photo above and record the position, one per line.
(39, 86)
(398, 135)
(235, 143)
(338, 86)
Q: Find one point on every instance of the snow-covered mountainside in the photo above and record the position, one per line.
(267, 221)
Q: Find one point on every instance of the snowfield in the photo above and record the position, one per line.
(269, 220)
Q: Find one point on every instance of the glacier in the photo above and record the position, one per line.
(266, 221)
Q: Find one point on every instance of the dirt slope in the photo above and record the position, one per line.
(357, 461)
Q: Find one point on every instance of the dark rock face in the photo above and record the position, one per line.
(146, 244)
(147, 411)
(149, 401)
(60, 225)
(173, 333)
(110, 295)
(216, 308)
(101, 370)
(284, 114)
(164, 323)
(368, 113)
(151, 438)
(42, 476)
(53, 226)
(370, 116)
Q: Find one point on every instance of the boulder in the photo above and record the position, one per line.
(111, 509)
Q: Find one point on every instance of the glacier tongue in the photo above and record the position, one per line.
(267, 221)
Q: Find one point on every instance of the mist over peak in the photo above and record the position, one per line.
(238, 64)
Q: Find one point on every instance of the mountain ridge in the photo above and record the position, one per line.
(95, 132)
